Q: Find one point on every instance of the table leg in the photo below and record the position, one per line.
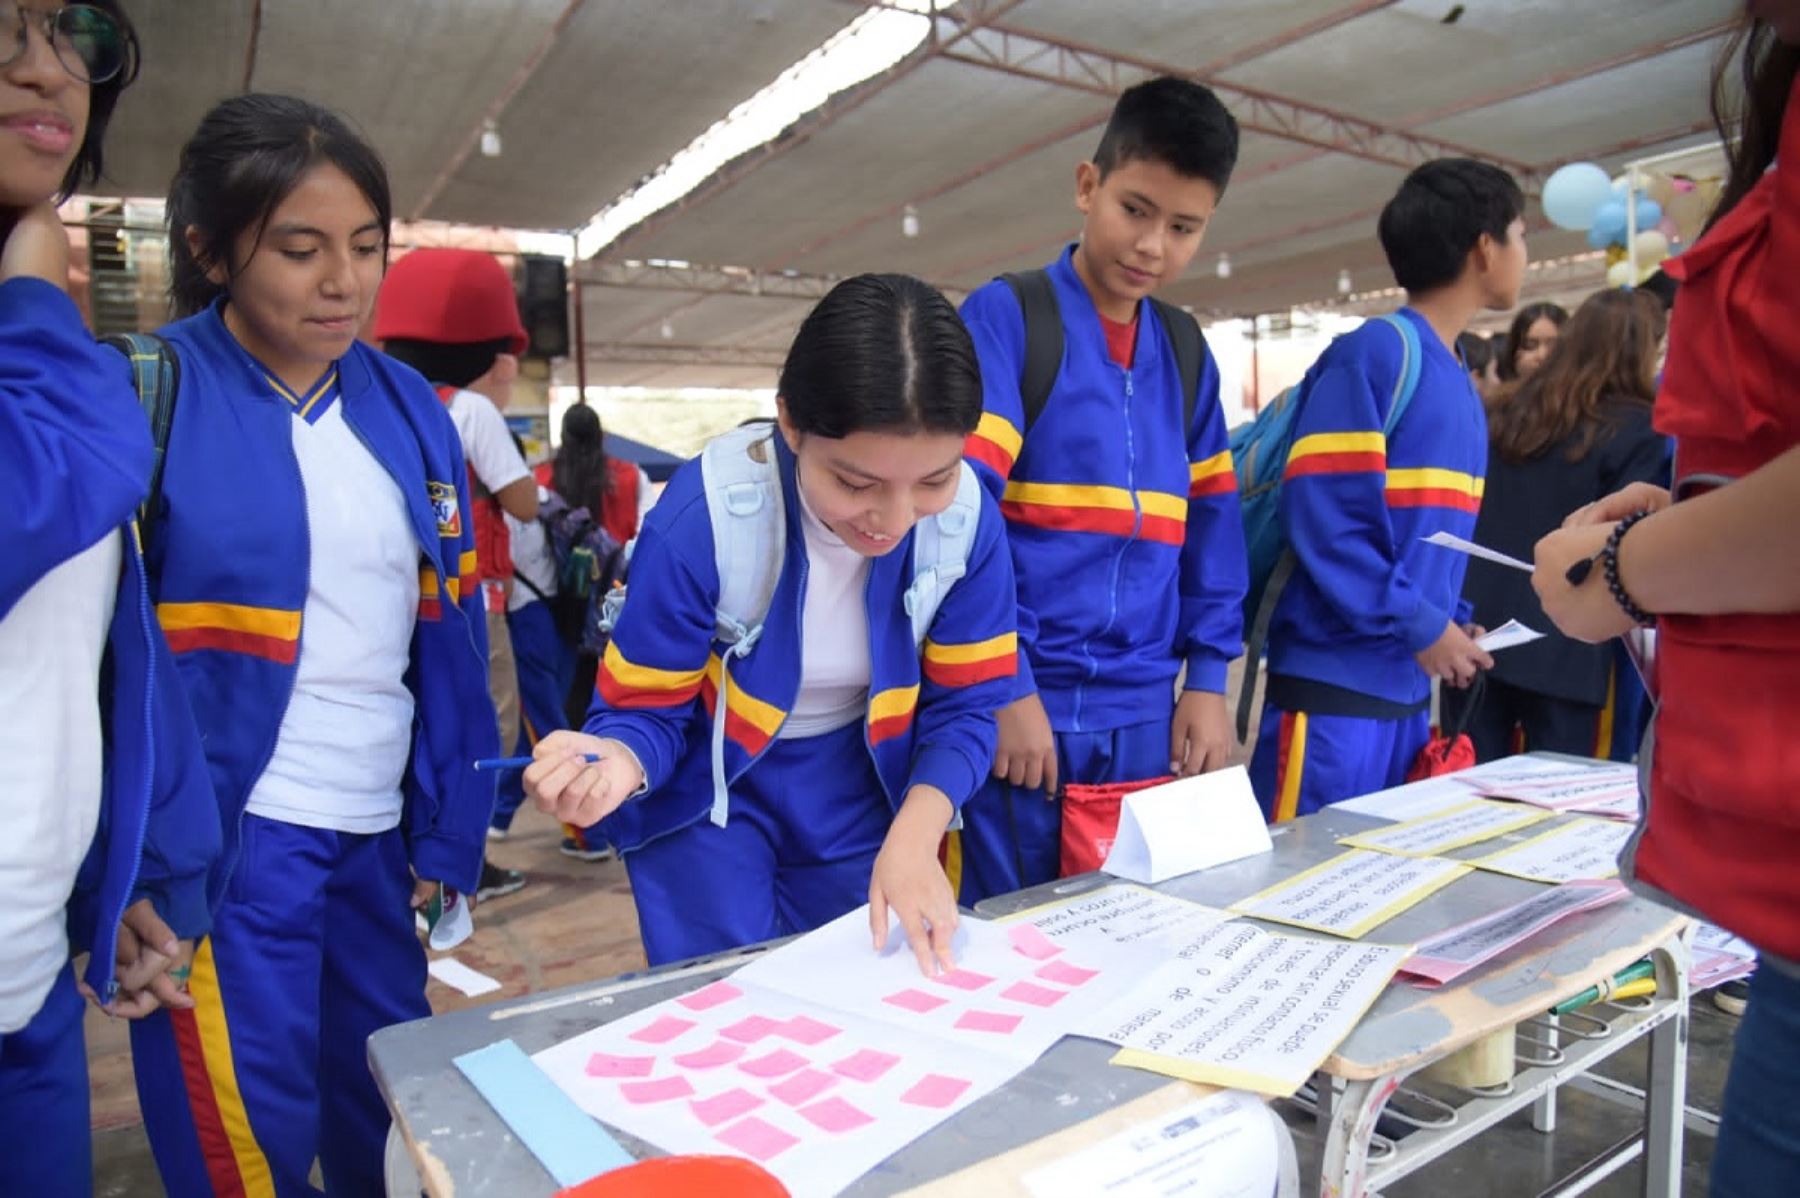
(1665, 1103)
(1543, 1111)
(1358, 1105)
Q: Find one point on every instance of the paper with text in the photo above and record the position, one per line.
(1187, 825)
(1231, 1140)
(1415, 799)
(1353, 892)
(1475, 819)
(1450, 954)
(1582, 848)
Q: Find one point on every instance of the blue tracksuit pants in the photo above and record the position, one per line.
(1011, 837)
(312, 949)
(796, 851)
(45, 1144)
(545, 665)
(1305, 761)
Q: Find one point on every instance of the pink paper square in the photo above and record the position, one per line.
(711, 996)
(804, 1086)
(1065, 974)
(988, 1021)
(719, 1052)
(774, 1064)
(1037, 996)
(722, 1108)
(835, 1115)
(866, 1064)
(604, 1064)
(915, 1000)
(935, 1090)
(963, 979)
(1029, 941)
(751, 1028)
(757, 1140)
(664, 1029)
(803, 1030)
(660, 1090)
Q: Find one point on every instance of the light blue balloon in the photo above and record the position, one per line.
(1649, 213)
(1609, 222)
(1598, 238)
(1574, 193)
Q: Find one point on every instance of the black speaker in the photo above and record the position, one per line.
(543, 283)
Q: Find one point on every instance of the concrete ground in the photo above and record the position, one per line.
(574, 922)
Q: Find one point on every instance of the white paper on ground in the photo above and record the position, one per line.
(1507, 636)
(1187, 825)
(1227, 1143)
(1582, 848)
(1475, 819)
(1452, 953)
(457, 976)
(1451, 541)
(1239, 1006)
(1411, 801)
(1353, 892)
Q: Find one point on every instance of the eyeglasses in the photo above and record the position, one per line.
(88, 42)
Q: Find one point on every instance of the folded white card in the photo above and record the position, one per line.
(1445, 540)
(1187, 825)
(1507, 635)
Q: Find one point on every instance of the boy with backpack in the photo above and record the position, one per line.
(1386, 444)
(1103, 437)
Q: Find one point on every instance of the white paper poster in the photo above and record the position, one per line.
(1582, 848)
(1475, 819)
(1242, 1007)
(1415, 799)
(1187, 825)
(1225, 1146)
(1353, 892)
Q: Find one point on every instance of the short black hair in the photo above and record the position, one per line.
(1176, 122)
(102, 99)
(1477, 351)
(1663, 287)
(1439, 215)
(447, 364)
(249, 152)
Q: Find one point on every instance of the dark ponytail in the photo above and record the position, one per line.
(249, 152)
(1748, 114)
(882, 353)
(579, 474)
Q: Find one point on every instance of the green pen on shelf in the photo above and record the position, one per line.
(1600, 993)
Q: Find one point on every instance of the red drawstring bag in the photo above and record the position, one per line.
(1090, 821)
(1447, 754)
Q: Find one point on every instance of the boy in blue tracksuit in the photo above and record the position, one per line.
(109, 816)
(1124, 525)
(313, 572)
(762, 784)
(1372, 614)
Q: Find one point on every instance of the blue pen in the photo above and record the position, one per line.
(517, 763)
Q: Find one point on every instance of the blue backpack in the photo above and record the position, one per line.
(1259, 452)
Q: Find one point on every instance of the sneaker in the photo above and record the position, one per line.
(496, 882)
(574, 848)
(1733, 996)
(497, 833)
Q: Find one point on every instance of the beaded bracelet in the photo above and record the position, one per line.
(1609, 562)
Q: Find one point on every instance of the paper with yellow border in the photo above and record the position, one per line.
(1353, 892)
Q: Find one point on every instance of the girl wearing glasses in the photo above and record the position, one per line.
(110, 821)
(313, 565)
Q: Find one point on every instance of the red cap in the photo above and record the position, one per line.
(452, 297)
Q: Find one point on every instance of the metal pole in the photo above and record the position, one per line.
(580, 325)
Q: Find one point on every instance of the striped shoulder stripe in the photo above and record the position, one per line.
(267, 632)
(1212, 476)
(969, 663)
(995, 443)
(625, 683)
(891, 712)
(1337, 453)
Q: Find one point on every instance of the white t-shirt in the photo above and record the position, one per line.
(834, 634)
(344, 741)
(533, 561)
(51, 643)
(486, 440)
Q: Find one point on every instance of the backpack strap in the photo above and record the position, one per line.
(749, 531)
(1189, 344)
(941, 547)
(1043, 340)
(1411, 364)
(156, 374)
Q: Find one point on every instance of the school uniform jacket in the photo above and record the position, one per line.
(77, 458)
(1124, 527)
(231, 559)
(1368, 593)
(930, 714)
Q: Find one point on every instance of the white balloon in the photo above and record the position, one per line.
(1619, 274)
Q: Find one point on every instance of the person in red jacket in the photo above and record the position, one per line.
(1716, 564)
